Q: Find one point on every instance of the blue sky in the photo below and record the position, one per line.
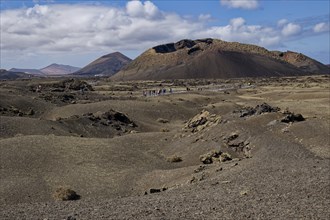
(37, 33)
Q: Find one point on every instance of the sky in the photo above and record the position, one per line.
(36, 33)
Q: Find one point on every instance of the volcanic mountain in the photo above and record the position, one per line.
(59, 69)
(206, 58)
(106, 65)
(304, 62)
(27, 71)
(53, 69)
(9, 75)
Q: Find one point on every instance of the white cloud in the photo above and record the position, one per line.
(76, 28)
(204, 17)
(236, 23)
(291, 29)
(270, 41)
(37, 10)
(139, 9)
(321, 27)
(243, 4)
(282, 22)
(84, 27)
(238, 30)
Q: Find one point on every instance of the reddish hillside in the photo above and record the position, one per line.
(59, 69)
(304, 62)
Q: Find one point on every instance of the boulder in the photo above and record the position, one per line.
(215, 156)
(258, 110)
(202, 120)
(291, 117)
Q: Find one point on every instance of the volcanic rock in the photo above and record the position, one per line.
(292, 118)
(259, 109)
(201, 121)
(73, 84)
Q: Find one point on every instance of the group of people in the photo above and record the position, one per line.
(38, 89)
(155, 92)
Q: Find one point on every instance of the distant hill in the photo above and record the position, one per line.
(53, 69)
(106, 65)
(9, 75)
(303, 62)
(27, 71)
(59, 69)
(207, 58)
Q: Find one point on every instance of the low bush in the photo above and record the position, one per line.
(162, 120)
(65, 194)
(174, 159)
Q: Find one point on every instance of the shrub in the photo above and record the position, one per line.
(225, 157)
(65, 194)
(243, 192)
(162, 120)
(206, 159)
(174, 159)
(214, 156)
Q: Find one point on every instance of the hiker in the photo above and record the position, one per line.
(38, 88)
(171, 91)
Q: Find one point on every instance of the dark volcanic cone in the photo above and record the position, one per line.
(106, 65)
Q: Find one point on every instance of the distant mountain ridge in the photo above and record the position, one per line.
(7, 75)
(27, 71)
(59, 69)
(213, 58)
(53, 69)
(106, 65)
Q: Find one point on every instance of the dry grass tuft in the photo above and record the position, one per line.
(165, 130)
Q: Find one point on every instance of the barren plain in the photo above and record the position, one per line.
(250, 148)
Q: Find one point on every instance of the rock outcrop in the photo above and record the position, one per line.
(258, 110)
(201, 121)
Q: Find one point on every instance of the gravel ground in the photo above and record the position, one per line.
(280, 182)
